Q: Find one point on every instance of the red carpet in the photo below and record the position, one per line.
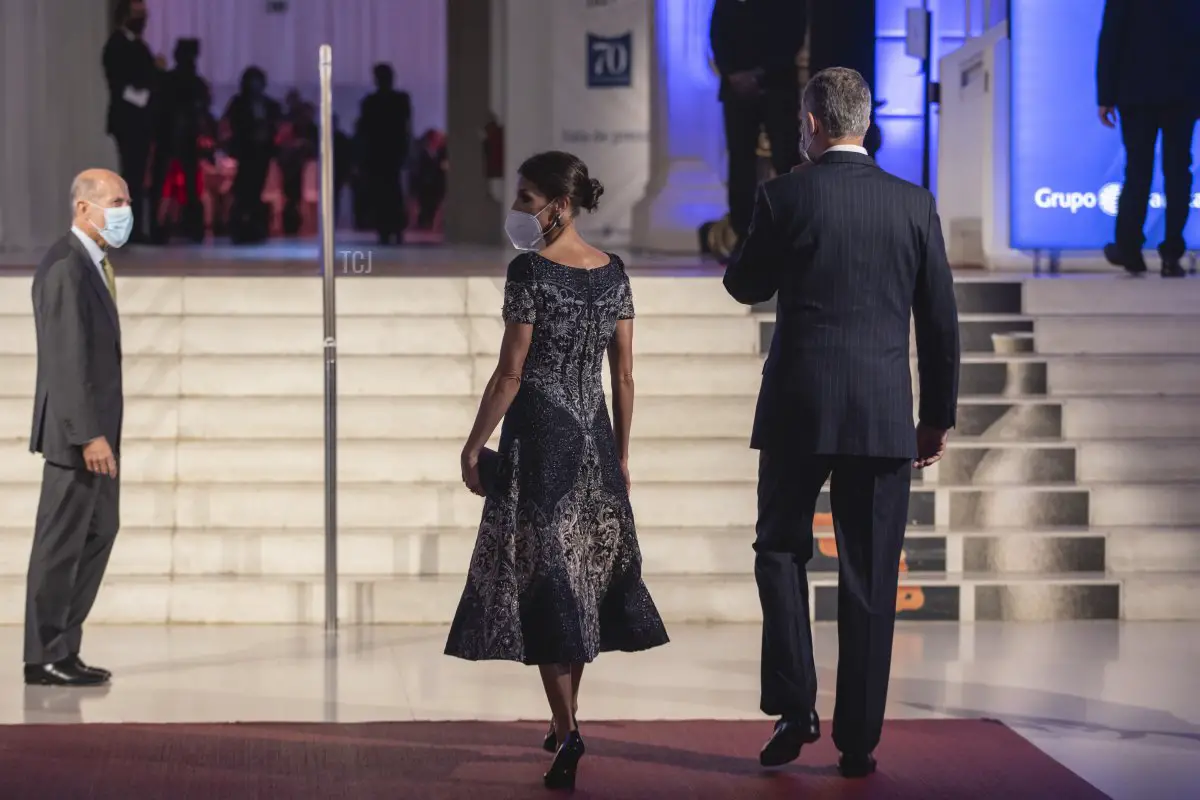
(925, 760)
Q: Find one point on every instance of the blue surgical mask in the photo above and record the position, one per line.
(118, 224)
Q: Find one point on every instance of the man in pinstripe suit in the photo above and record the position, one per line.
(852, 253)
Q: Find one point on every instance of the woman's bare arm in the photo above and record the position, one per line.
(620, 365)
(502, 387)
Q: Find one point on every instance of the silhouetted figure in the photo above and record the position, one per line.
(428, 181)
(253, 120)
(754, 44)
(385, 130)
(343, 163)
(132, 78)
(1148, 71)
(298, 146)
(181, 113)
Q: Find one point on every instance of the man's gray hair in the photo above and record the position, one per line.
(84, 187)
(841, 101)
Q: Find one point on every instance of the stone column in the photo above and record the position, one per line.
(53, 110)
(687, 158)
(472, 215)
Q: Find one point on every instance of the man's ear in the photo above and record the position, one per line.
(812, 123)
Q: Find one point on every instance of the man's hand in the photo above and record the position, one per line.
(99, 458)
(1108, 116)
(745, 83)
(931, 445)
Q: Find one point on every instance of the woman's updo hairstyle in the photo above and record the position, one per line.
(557, 174)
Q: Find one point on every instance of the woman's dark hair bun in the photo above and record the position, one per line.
(556, 174)
(591, 196)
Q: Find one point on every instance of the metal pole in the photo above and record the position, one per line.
(926, 114)
(325, 60)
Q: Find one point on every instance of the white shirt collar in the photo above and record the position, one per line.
(92, 248)
(848, 148)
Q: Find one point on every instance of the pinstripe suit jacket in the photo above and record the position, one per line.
(853, 254)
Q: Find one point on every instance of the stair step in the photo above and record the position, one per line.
(198, 552)
(1128, 417)
(1110, 335)
(686, 504)
(241, 335)
(379, 296)
(387, 376)
(967, 462)
(712, 599)
(989, 419)
(1104, 294)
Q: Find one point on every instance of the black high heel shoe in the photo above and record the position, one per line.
(550, 743)
(561, 774)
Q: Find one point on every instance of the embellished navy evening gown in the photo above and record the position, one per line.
(556, 574)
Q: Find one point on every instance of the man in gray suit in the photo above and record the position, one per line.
(77, 414)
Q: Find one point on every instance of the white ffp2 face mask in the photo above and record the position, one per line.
(525, 231)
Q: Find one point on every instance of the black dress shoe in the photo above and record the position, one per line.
(1134, 264)
(790, 735)
(61, 673)
(1171, 268)
(101, 671)
(856, 765)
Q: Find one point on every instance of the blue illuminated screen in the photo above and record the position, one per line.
(1066, 168)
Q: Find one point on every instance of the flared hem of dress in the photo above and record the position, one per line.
(640, 647)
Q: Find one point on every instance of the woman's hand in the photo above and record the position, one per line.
(469, 462)
(625, 474)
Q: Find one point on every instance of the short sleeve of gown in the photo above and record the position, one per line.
(519, 303)
(625, 308)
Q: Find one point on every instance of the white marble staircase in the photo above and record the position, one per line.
(1071, 489)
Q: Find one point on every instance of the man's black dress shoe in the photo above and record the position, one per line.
(1171, 268)
(856, 765)
(1134, 264)
(790, 735)
(61, 673)
(101, 671)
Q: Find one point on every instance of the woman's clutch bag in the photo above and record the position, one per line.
(489, 472)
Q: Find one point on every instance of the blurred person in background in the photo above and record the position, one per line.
(384, 132)
(298, 137)
(132, 76)
(755, 44)
(253, 121)
(1148, 78)
(428, 180)
(343, 164)
(181, 113)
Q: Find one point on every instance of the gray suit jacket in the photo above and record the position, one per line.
(79, 396)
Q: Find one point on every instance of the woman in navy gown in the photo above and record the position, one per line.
(555, 578)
